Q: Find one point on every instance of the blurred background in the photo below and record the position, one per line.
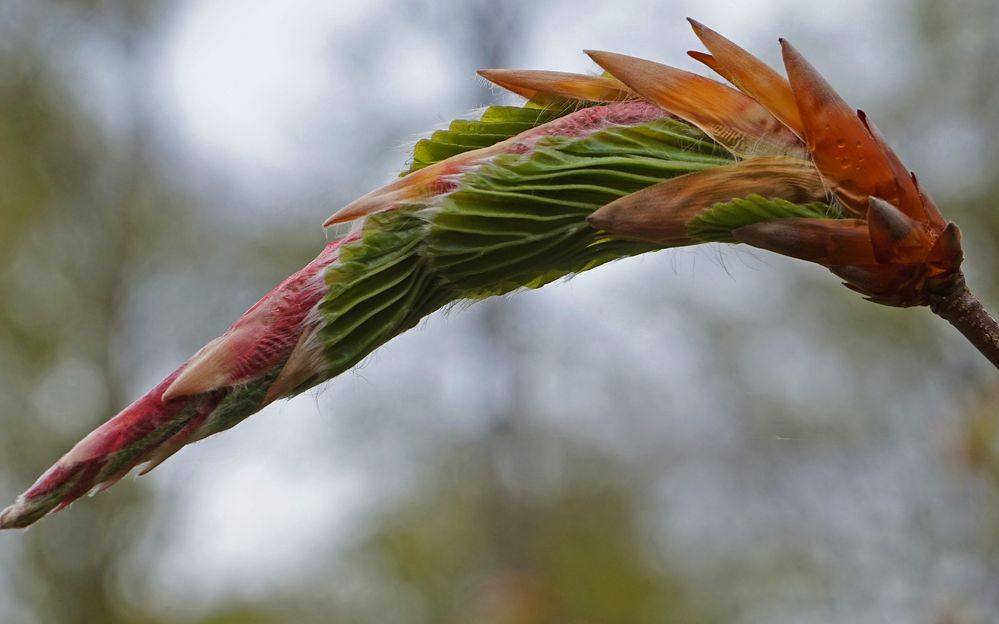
(706, 435)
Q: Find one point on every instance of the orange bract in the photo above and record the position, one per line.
(732, 118)
(844, 150)
(898, 249)
(530, 84)
(751, 76)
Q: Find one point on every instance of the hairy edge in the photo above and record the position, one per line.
(435, 181)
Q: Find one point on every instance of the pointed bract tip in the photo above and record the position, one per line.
(886, 215)
(792, 56)
(620, 65)
(540, 85)
(896, 238)
(706, 59)
(789, 51)
(598, 54)
(946, 253)
(491, 74)
(499, 77)
(601, 219)
(700, 29)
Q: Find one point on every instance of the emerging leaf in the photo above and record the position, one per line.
(646, 158)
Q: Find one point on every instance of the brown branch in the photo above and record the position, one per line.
(965, 312)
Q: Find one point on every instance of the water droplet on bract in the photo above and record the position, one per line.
(841, 144)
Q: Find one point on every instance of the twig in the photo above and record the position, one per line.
(965, 312)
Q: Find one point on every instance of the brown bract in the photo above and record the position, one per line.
(660, 213)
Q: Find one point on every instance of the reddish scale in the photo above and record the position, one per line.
(283, 308)
(589, 120)
(442, 186)
(128, 428)
(84, 466)
(86, 475)
(172, 444)
(85, 461)
(446, 181)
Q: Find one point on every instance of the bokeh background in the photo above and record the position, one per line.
(706, 435)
